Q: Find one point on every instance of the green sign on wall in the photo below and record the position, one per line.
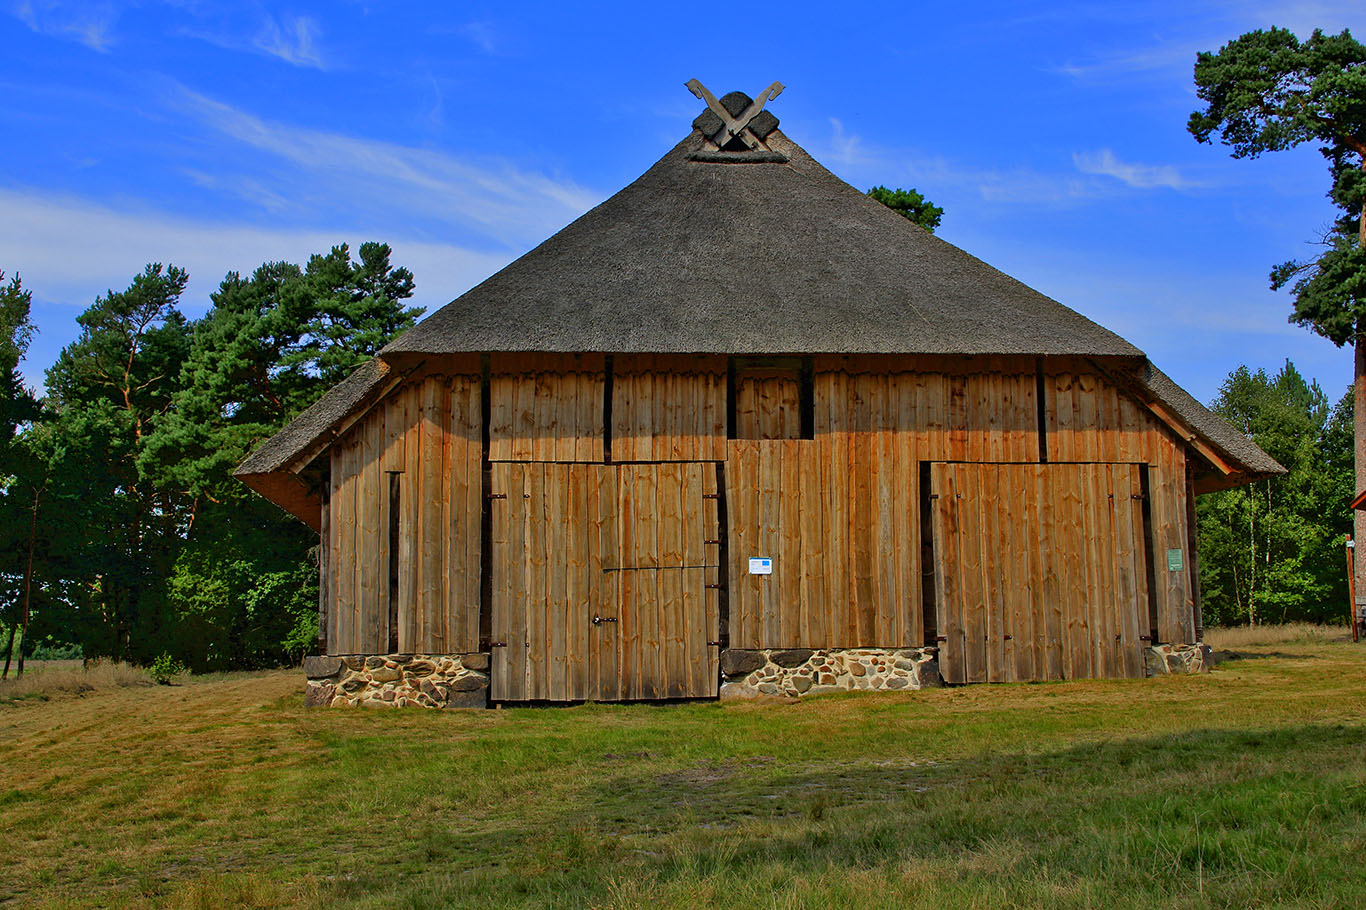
(1175, 560)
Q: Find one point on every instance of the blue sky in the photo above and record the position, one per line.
(216, 136)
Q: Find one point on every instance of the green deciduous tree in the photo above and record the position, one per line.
(1272, 550)
(1267, 91)
(909, 204)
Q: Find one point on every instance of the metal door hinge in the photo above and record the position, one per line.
(498, 496)
(599, 620)
(714, 644)
(1145, 638)
(498, 644)
(1138, 496)
(717, 541)
(713, 586)
(711, 495)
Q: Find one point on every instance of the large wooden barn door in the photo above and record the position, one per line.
(1040, 571)
(599, 579)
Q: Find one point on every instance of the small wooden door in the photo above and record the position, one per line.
(599, 582)
(655, 621)
(1040, 571)
(540, 564)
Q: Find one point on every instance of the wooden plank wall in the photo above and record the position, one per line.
(855, 512)
(839, 524)
(627, 543)
(767, 404)
(546, 407)
(668, 408)
(1089, 419)
(1039, 571)
(429, 432)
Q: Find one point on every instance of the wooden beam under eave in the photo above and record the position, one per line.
(1184, 430)
(289, 492)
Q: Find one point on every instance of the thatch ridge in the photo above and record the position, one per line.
(752, 258)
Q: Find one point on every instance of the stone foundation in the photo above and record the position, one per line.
(398, 681)
(1164, 660)
(797, 672)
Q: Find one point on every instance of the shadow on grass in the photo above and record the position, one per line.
(1249, 816)
(1219, 657)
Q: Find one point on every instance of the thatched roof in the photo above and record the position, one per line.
(760, 257)
(1214, 429)
(751, 253)
(316, 422)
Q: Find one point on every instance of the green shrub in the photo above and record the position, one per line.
(165, 668)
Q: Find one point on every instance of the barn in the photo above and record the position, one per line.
(738, 431)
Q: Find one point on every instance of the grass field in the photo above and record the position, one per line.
(1242, 787)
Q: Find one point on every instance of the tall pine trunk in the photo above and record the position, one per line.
(1359, 427)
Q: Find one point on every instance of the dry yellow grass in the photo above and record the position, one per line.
(1231, 638)
(48, 679)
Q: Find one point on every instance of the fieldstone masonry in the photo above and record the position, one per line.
(398, 680)
(1163, 660)
(801, 671)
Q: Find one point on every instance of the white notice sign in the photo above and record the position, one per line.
(760, 565)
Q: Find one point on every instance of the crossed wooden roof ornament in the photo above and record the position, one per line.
(735, 120)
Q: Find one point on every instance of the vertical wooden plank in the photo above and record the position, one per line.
(768, 542)
(904, 544)
(788, 559)
(1031, 635)
(380, 624)
(601, 543)
(522, 586)
(949, 570)
(628, 630)
(1137, 612)
(541, 577)
(694, 593)
(443, 510)
(973, 526)
(367, 553)
(335, 581)
(409, 550)
(860, 519)
(474, 506)
(1092, 499)
(430, 524)
(556, 480)
(1051, 575)
(891, 542)
(670, 518)
(995, 556)
(840, 621)
(500, 587)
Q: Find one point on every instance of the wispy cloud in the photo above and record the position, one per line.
(491, 196)
(481, 35)
(39, 231)
(1139, 176)
(1157, 54)
(90, 24)
(293, 40)
(858, 160)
